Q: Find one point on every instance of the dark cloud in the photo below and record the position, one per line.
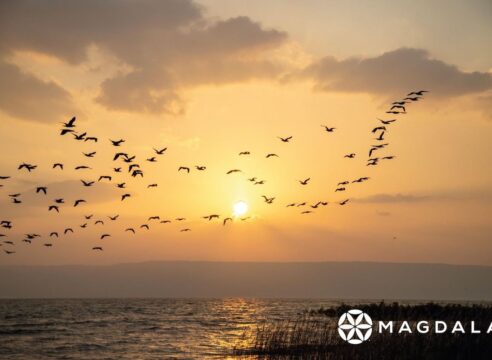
(24, 96)
(168, 45)
(394, 73)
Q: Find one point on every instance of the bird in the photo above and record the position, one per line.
(271, 155)
(291, 204)
(161, 151)
(301, 204)
(387, 122)
(343, 202)
(124, 196)
(54, 207)
(306, 212)
(340, 189)
(87, 183)
(66, 131)
(16, 201)
(210, 217)
(91, 154)
(67, 230)
(378, 128)
(88, 217)
(304, 182)
(152, 159)
(54, 233)
(104, 236)
(200, 168)
(285, 140)
(4, 177)
(328, 129)
(154, 218)
(43, 189)
(83, 226)
(48, 244)
(99, 222)
(180, 219)
(79, 137)
(343, 183)
(402, 107)
(359, 180)
(70, 123)
(78, 202)
(132, 167)
(388, 157)
(97, 248)
(381, 136)
(419, 93)
(28, 167)
(82, 167)
(151, 186)
(121, 185)
(185, 168)
(394, 112)
(105, 177)
(185, 230)
(144, 226)
(117, 142)
(58, 165)
(267, 199)
(91, 138)
(350, 156)
(113, 218)
(120, 154)
(131, 230)
(233, 171)
(165, 221)
(9, 252)
(244, 153)
(117, 170)
(261, 182)
(224, 222)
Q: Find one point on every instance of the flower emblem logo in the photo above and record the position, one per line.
(355, 327)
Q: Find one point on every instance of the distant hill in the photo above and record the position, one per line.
(344, 280)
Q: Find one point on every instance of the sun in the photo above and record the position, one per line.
(240, 208)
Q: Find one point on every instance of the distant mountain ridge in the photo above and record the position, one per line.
(336, 280)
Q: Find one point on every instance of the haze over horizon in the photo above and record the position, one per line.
(212, 78)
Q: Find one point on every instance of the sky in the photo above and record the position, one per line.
(209, 79)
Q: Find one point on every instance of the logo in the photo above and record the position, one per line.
(355, 327)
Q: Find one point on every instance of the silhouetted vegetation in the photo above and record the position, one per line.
(314, 335)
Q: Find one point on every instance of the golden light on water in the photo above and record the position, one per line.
(240, 208)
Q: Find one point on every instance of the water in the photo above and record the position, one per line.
(136, 328)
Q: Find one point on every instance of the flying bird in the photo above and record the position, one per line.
(304, 182)
(117, 142)
(124, 196)
(233, 171)
(59, 165)
(328, 129)
(350, 156)
(91, 154)
(185, 168)
(70, 123)
(78, 202)
(161, 151)
(271, 155)
(267, 199)
(43, 189)
(285, 140)
(200, 168)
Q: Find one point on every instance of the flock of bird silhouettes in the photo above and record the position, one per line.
(135, 170)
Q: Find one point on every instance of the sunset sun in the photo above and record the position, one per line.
(240, 208)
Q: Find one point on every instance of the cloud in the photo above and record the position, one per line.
(394, 73)
(394, 198)
(24, 96)
(458, 195)
(167, 45)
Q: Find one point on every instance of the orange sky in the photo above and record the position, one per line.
(208, 84)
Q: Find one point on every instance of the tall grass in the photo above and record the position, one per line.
(314, 335)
